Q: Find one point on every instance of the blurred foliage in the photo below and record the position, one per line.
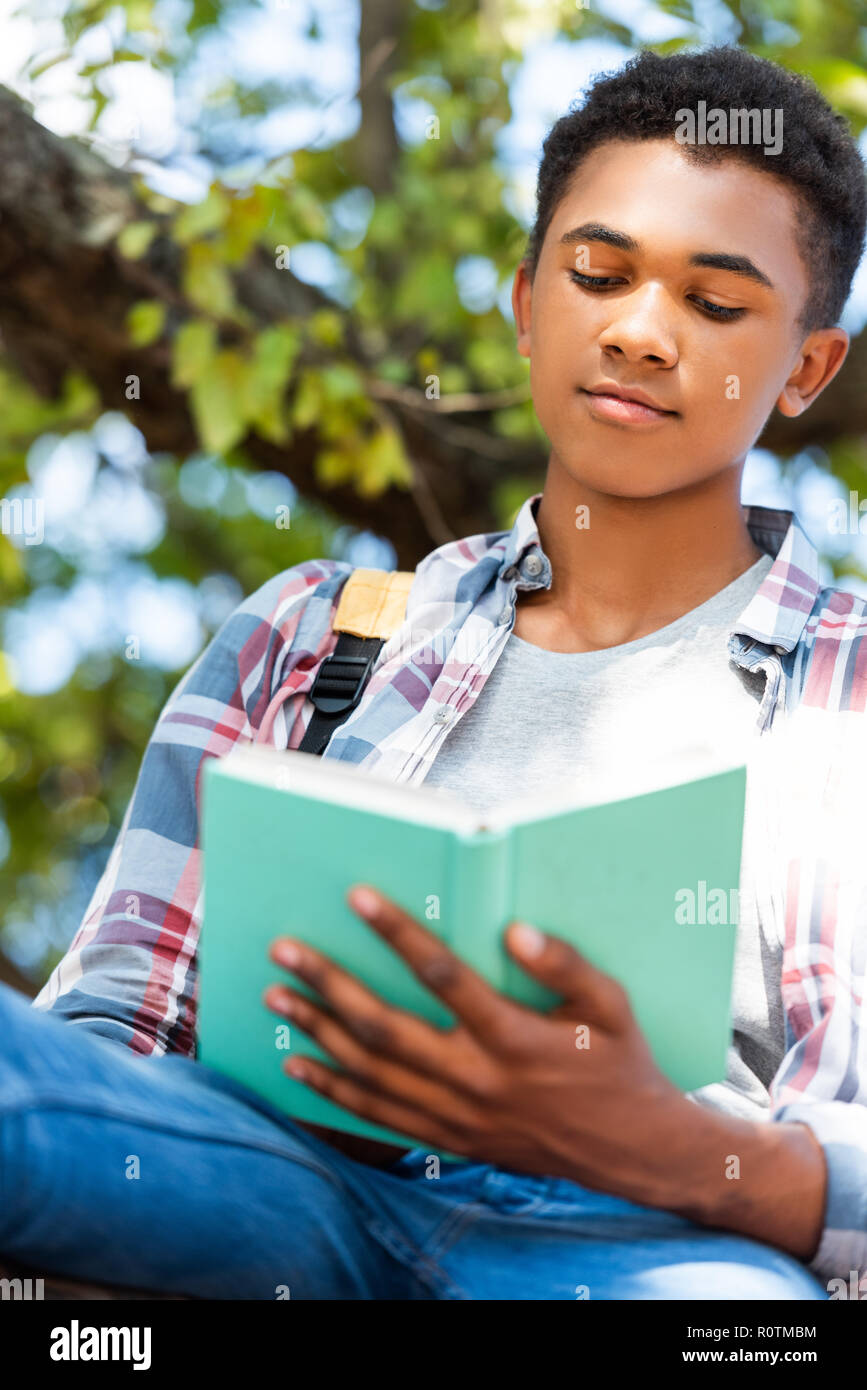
(68, 758)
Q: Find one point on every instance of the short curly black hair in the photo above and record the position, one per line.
(819, 159)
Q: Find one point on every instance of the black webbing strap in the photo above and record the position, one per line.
(338, 686)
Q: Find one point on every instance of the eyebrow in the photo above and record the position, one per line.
(713, 260)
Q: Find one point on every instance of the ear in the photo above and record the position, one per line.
(522, 296)
(820, 358)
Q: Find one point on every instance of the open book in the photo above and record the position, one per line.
(645, 887)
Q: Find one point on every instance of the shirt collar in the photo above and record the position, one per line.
(775, 615)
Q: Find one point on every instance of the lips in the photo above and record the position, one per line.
(614, 402)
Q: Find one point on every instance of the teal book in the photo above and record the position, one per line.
(642, 886)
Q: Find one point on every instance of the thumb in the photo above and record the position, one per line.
(558, 966)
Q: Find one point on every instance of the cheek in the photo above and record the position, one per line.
(552, 352)
(562, 340)
(729, 371)
(554, 320)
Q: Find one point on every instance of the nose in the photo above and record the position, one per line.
(640, 329)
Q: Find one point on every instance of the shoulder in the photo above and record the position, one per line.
(281, 601)
(837, 617)
(833, 662)
(459, 570)
(288, 618)
(276, 634)
(464, 568)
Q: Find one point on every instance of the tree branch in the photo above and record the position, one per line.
(65, 291)
(376, 143)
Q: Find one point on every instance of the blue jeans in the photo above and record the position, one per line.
(157, 1172)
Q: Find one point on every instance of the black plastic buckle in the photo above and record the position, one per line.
(328, 692)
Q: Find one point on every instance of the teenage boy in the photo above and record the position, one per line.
(671, 297)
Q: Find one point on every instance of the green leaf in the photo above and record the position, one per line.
(268, 374)
(139, 15)
(333, 466)
(205, 14)
(207, 282)
(193, 349)
(383, 463)
(275, 351)
(307, 213)
(308, 401)
(396, 369)
(842, 82)
(245, 223)
(342, 381)
(427, 291)
(11, 574)
(217, 401)
(202, 218)
(326, 328)
(135, 239)
(386, 229)
(80, 397)
(145, 322)
(99, 101)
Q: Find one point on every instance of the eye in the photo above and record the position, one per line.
(597, 283)
(594, 282)
(718, 311)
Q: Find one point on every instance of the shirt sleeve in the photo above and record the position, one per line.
(130, 971)
(841, 1129)
(822, 1080)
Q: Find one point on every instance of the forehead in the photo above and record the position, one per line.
(672, 206)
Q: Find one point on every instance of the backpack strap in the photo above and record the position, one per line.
(372, 606)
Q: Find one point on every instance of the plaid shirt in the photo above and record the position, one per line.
(130, 972)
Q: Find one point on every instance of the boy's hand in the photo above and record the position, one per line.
(573, 1093)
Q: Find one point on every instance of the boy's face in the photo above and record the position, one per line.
(718, 375)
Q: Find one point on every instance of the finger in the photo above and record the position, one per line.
(380, 1074)
(556, 964)
(485, 1013)
(405, 1119)
(379, 1026)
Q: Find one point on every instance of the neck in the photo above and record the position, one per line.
(640, 563)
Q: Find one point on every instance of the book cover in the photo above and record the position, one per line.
(642, 886)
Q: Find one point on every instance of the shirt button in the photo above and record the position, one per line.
(505, 617)
(443, 714)
(533, 565)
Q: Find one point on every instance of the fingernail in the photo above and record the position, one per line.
(528, 940)
(365, 901)
(288, 954)
(297, 1069)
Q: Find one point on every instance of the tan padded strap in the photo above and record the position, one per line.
(373, 602)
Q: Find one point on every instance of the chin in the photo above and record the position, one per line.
(627, 479)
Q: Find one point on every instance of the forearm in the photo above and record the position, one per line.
(767, 1181)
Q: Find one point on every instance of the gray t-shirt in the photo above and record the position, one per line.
(613, 723)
